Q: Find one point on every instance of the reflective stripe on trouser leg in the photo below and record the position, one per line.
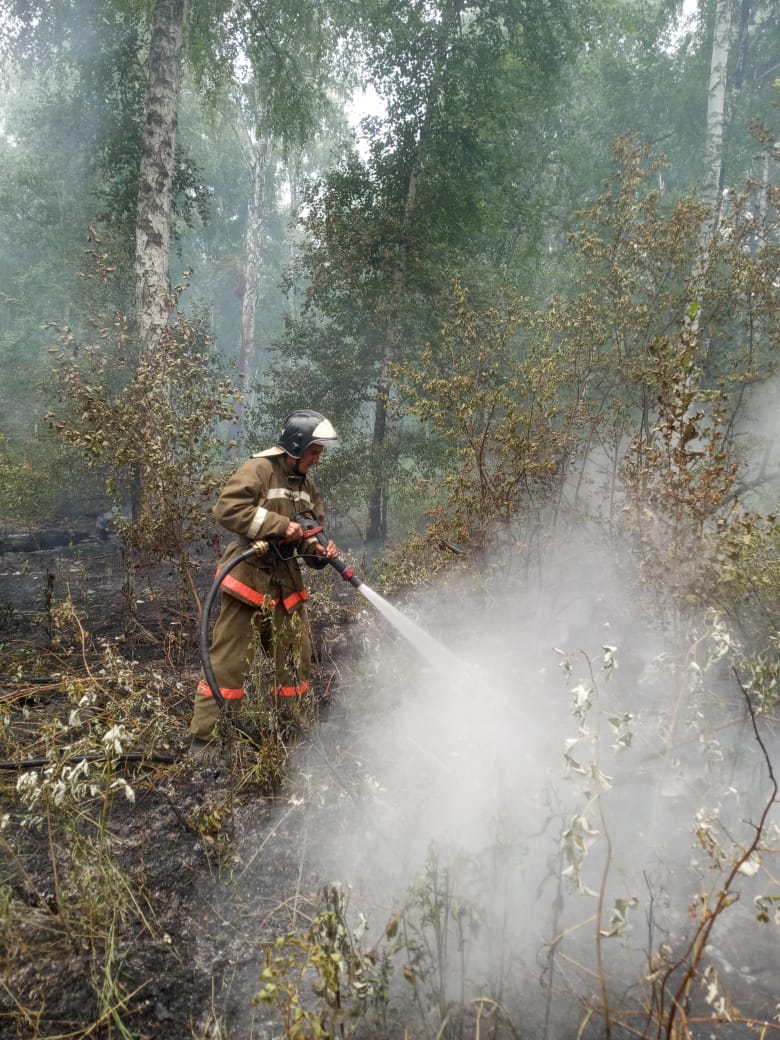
(291, 652)
(283, 637)
(230, 652)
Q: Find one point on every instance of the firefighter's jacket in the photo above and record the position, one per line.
(256, 504)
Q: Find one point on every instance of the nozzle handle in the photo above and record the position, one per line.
(313, 529)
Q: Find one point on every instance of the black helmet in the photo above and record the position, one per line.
(302, 429)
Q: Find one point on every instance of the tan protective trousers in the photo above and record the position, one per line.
(284, 638)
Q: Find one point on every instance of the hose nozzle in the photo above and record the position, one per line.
(346, 572)
(313, 529)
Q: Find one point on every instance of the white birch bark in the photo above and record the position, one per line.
(716, 117)
(711, 196)
(255, 228)
(155, 182)
(713, 151)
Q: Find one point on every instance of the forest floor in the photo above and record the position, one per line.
(145, 899)
(143, 918)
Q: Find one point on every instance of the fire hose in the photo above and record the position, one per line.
(285, 549)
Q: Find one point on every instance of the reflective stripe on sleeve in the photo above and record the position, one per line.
(298, 498)
(257, 521)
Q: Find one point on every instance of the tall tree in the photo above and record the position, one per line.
(156, 173)
(279, 40)
(258, 149)
(446, 29)
(447, 185)
(716, 117)
(299, 67)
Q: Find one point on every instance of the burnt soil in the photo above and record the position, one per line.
(159, 940)
(152, 918)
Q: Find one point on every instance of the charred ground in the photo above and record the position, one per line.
(119, 918)
(153, 917)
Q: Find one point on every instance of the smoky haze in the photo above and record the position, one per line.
(545, 785)
(530, 789)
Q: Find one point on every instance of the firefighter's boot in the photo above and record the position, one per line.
(205, 717)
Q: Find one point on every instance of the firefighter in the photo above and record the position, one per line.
(263, 598)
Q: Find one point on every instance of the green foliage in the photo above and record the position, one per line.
(749, 578)
(495, 415)
(45, 482)
(680, 482)
(44, 214)
(26, 492)
(331, 962)
(695, 360)
(418, 560)
(640, 270)
(625, 396)
(150, 424)
(434, 195)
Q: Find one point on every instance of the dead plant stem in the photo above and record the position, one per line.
(700, 940)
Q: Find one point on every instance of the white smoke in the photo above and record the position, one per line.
(580, 782)
(567, 803)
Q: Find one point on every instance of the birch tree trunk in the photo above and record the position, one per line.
(155, 182)
(716, 119)
(255, 228)
(257, 148)
(713, 151)
(712, 191)
(155, 206)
